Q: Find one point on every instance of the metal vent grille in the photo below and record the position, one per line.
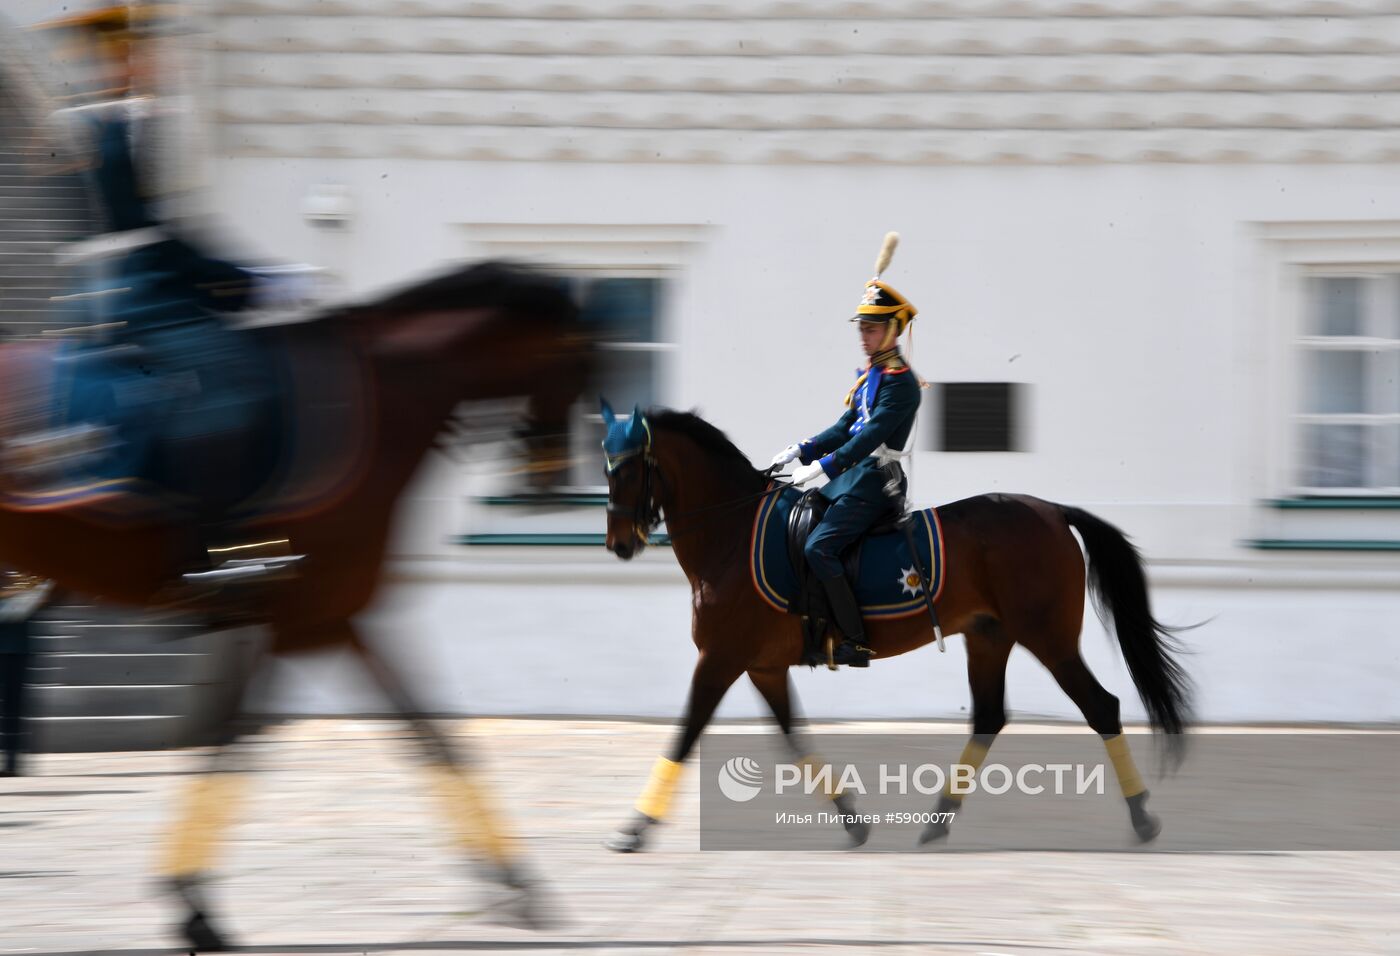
(979, 416)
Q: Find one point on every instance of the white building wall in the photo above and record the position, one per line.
(1124, 296)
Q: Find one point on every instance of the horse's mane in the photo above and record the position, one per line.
(508, 286)
(707, 436)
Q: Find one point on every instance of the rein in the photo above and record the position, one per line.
(733, 502)
(646, 513)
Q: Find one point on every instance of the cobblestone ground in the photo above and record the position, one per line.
(340, 852)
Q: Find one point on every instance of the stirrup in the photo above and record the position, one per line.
(246, 563)
(243, 570)
(857, 648)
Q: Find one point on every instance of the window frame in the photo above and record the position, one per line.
(1377, 298)
(1291, 253)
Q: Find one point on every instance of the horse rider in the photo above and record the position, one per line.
(116, 51)
(858, 453)
(192, 400)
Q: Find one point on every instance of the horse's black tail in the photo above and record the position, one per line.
(1119, 589)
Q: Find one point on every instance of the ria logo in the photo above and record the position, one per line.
(740, 779)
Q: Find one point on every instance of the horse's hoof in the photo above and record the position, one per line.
(859, 832)
(626, 841)
(202, 937)
(1148, 829)
(524, 907)
(1145, 825)
(515, 897)
(933, 832)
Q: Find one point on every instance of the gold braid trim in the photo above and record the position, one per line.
(887, 359)
(851, 395)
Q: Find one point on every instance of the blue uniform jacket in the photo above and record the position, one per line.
(881, 413)
(187, 389)
(170, 281)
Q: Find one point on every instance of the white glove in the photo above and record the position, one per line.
(786, 455)
(807, 473)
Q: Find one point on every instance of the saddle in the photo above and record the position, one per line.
(808, 512)
(810, 600)
(191, 409)
(295, 445)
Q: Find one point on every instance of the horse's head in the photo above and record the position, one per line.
(492, 331)
(633, 511)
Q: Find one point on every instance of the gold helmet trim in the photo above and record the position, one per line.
(900, 310)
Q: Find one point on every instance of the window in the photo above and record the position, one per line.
(978, 416)
(1319, 419)
(626, 313)
(625, 276)
(1347, 419)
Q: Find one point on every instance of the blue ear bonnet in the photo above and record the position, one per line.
(625, 437)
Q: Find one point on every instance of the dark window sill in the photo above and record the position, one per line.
(1342, 503)
(553, 499)
(1321, 544)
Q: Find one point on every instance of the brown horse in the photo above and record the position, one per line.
(1014, 574)
(395, 369)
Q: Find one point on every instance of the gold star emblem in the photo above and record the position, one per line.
(909, 581)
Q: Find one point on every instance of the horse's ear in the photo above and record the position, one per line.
(608, 415)
(638, 431)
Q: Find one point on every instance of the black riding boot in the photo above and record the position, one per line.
(846, 614)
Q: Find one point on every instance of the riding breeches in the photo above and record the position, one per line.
(845, 521)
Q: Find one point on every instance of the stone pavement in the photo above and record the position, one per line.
(340, 852)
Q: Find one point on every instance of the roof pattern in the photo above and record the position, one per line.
(823, 81)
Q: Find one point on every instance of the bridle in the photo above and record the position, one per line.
(646, 511)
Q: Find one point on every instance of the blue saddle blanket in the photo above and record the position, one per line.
(193, 408)
(887, 585)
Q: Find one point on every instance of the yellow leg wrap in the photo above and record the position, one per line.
(1123, 765)
(655, 800)
(210, 802)
(831, 787)
(477, 826)
(973, 754)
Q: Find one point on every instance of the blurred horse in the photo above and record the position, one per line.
(366, 392)
(1014, 574)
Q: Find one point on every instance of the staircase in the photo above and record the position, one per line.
(103, 680)
(43, 204)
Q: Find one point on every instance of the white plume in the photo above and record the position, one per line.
(886, 252)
